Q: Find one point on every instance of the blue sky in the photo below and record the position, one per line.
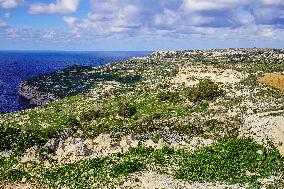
(140, 24)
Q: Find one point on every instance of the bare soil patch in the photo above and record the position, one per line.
(275, 80)
(190, 75)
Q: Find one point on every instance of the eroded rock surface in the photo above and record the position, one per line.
(191, 75)
(75, 149)
(265, 128)
(152, 180)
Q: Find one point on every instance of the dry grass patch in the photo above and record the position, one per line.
(190, 75)
(275, 80)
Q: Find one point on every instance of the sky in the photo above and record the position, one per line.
(137, 25)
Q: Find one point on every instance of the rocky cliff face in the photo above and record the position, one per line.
(35, 96)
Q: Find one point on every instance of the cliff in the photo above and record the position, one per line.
(71, 81)
(35, 96)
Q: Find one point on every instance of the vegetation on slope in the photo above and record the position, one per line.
(234, 160)
(144, 102)
(121, 114)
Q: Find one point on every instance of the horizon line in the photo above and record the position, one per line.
(17, 50)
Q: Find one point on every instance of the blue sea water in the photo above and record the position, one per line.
(16, 66)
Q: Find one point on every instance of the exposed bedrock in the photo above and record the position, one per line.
(35, 96)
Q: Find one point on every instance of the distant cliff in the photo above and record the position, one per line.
(71, 81)
(35, 96)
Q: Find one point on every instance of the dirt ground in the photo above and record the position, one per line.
(275, 80)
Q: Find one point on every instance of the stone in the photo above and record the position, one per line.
(174, 145)
(103, 140)
(6, 153)
(89, 144)
(264, 128)
(30, 155)
(150, 143)
(260, 152)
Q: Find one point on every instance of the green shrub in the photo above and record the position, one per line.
(205, 90)
(90, 115)
(9, 172)
(229, 160)
(188, 129)
(201, 107)
(72, 122)
(8, 136)
(93, 131)
(126, 109)
(171, 96)
(13, 138)
(217, 129)
(126, 167)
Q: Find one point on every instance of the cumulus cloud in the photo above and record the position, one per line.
(70, 20)
(158, 16)
(207, 5)
(3, 24)
(218, 19)
(60, 6)
(270, 12)
(7, 15)
(199, 13)
(8, 4)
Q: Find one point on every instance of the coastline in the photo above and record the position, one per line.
(35, 96)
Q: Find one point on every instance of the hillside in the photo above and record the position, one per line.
(175, 119)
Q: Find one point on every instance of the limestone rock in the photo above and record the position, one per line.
(30, 155)
(264, 128)
(6, 153)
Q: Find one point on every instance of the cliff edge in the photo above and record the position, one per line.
(35, 96)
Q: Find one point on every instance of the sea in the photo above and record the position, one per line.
(16, 66)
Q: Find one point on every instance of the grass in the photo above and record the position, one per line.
(76, 80)
(229, 160)
(9, 172)
(225, 161)
(124, 113)
(144, 102)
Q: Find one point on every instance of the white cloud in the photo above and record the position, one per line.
(209, 5)
(108, 17)
(60, 6)
(7, 15)
(268, 32)
(272, 2)
(171, 19)
(3, 24)
(269, 12)
(69, 20)
(167, 18)
(49, 35)
(156, 19)
(8, 4)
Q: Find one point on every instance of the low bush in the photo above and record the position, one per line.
(8, 136)
(72, 122)
(126, 109)
(9, 172)
(126, 167)
(229, 160)
(204, 90)
(90, 115)
(13, 138)
(172, 96)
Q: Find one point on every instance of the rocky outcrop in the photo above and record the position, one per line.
(266, 128)
(75, 149)
(153, 180)
(35, 96)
